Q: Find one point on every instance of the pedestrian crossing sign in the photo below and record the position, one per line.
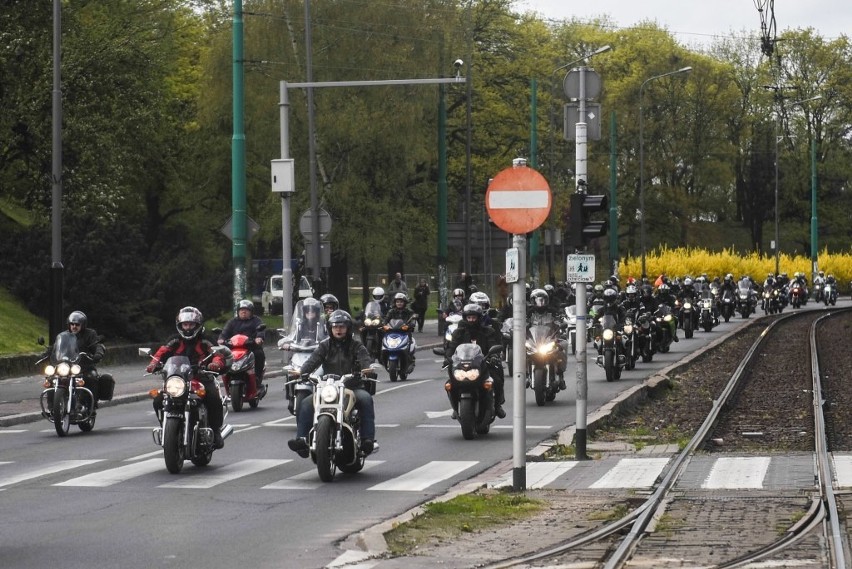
(580, 268)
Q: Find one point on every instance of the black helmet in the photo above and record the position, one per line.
(329, 299)
(610, 295)
(78, 317)
(246, 305)
(193, 315)
(339, 317)
(472, 309)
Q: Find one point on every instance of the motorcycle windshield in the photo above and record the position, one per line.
(303, 332)
(65, 348)
(178, 365)
(540, 334)
(467, 353)
(608, 322)
(743, 287)
(508, 323)
(571, 314)
(373, 309)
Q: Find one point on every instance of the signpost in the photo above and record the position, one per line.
(518, 201)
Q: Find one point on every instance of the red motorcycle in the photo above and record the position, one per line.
(239, 378)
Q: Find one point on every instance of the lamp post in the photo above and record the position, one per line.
(642, 160)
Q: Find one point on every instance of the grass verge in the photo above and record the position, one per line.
(22, 328)
(467, 513)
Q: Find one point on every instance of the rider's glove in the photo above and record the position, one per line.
(214, 367)
(152, 367)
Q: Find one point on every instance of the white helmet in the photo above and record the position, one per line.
(378, 293)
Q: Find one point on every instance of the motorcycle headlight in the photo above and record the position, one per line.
(76, 369)
(547, 348)
(63, 369)
(687, 306)
(328, 394)
(175, 386)
(49, 370)
(372, 321)
(628, 329)
(667, 318)
(394, 341)
(608, 335)
(462, 375)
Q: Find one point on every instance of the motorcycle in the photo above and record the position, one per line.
(610, 347)
(545, 358)
(398, 349)
(65, 400)
(819, 292)
(663, 318)
(506, 333)
(727, 304)
(334, 440)
(646, 333)
(470, 388)
(796, 295)
(829, 294)
(239, 376)
(771, 301)
(371, 329)
(452, 321)
(686, 317)
(571, 330)
(184, 430)
(745, 300)
(629, 336)
(706, 311)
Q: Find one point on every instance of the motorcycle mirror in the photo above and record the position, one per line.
(40, 340)
(144, 351)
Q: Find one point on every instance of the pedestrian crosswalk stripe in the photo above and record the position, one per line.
(115, 475)
(425, 476)
(309, 480)
(843, 469)
(538, 474)
(737, 472)
(226, 473)
(632, 473)
(44, 471)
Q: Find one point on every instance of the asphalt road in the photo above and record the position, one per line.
(102, 498)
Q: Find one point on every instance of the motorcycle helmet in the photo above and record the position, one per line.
(599, 289)
(400, 296)
(246, 305)
(337, 318)
(539, 298)
(822, 273)
(610, 296)
(192, 315)
(729, 277)
(631, 291)
(329, 302)
(78, 317)
(687, 282)
(311, 307)
(378, 293)
(548, 288)
(472, 310)
(458, 293)
(481, 299)
(664, 289)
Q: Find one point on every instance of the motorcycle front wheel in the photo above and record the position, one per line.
(237, 398)
(61, 418)
(173, 451)
(609, 365)
(540, 386)
(324, 441)
(393, 369)
(467, 418)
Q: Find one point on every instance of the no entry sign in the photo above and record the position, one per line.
(518, 200)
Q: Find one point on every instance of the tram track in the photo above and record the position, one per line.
(772, 403)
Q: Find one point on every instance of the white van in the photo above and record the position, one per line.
(272, 298)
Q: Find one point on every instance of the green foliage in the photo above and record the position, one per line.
(24, 328)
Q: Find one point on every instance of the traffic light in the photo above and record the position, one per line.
(582, 227)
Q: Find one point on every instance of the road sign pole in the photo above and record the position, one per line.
(582, 380)
(519, 369)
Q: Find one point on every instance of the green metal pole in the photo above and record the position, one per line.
(613, 197)
(536, 235)
(238, 163)
(814, 244)
(443, 278)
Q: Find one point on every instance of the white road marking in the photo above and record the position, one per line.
(309, 480)
(225, 474)
(632, 473)
(44, 471)
(737, 472)
(116, 475)
(538, 474)
(425, 476)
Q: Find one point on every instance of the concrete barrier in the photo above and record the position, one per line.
(24, 364)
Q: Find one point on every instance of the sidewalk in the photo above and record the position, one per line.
(19, 402)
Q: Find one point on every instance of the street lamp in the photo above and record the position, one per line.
(642, 161)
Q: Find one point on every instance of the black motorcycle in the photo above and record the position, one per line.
(184, 430)
(471, 388)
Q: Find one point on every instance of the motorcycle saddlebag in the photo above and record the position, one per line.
(106, 387)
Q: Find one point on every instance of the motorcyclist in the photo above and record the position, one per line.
(631, 302)
(489, 315)
(247, 323)
(819, 285)
(338, 354)
(541, 311)
(686, 294)
(612, 306)
(89, 343)
(802, 281)
(329, 304)
(309, 323)
(664, 296)
(190, 342)
(379, 296)
(400, 311)
(472, 330)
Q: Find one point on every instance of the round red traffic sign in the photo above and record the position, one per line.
(518, 200)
